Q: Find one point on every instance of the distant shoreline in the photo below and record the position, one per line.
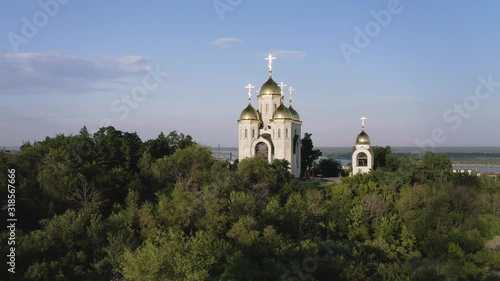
(475, 164)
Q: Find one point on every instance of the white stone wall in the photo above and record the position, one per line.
(362, 169)
(244, 143)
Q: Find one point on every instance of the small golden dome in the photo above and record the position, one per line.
(363, 138)
(249, 113)
(282, 112)
(295, 114)
(270, 88)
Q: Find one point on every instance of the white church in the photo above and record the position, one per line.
(272, 130)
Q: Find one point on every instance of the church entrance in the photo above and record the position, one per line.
(362, 159)
(261, 150)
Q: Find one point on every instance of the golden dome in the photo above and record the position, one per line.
(270, 88)
(249, 113)
(282, 112)
(295, 114)
(363, 138)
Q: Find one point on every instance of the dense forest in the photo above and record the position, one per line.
(109, 206)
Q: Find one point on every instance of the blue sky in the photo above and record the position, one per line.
(86, 61)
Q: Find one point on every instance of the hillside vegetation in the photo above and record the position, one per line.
(109, 206)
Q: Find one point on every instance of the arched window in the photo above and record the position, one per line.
(275, 106)
(286, 133)
(279, 133)
(253, 133)
(246, 133)
(362, 159)
(267, 108)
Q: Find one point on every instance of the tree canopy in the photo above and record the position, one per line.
(308, 154)
(109, 206)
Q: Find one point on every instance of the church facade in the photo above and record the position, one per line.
(272, 129)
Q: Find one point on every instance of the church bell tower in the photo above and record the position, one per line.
(362, 156)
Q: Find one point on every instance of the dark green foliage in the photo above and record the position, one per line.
(329, 168)
(64, 249)
(384, 158)
(308, 154)
(110, 207)
(116, 149)
(166, 145)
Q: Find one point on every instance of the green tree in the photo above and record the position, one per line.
(131, 149)
(433, 167)
(176, 256)
(308, 154)
(55, 174)
(255, 171)
(330, 167)
(109, 207)
(65, 248)
(383, 158)
(191, 167)
(108, 142)
(166, 145)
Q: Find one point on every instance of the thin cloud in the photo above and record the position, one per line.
(288, 53)
(57, 72)
(224, 41)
